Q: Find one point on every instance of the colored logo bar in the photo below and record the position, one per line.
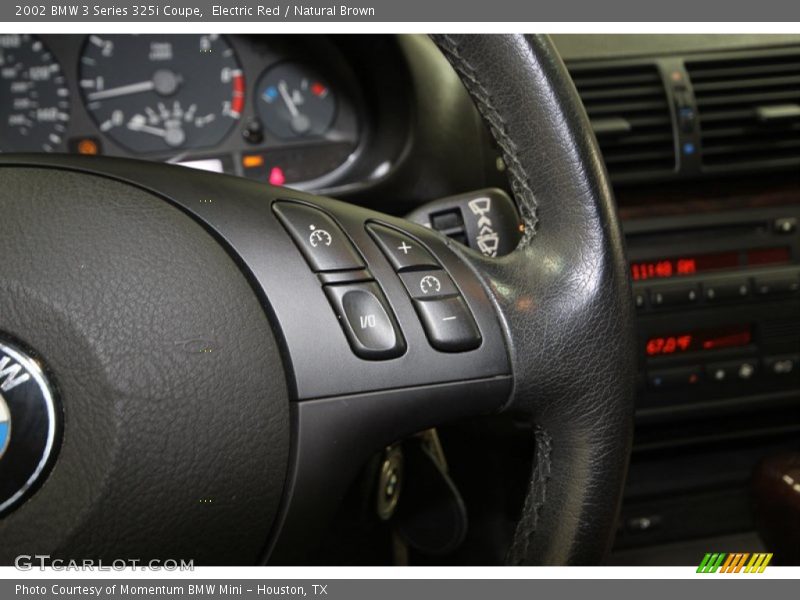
(736, 562)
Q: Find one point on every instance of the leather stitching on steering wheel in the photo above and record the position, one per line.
(537, 496)
(534, 502)
(519, 182)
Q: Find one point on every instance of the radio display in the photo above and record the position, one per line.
(681, 266)
(702, 340)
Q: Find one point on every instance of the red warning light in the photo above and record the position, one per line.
(237, 100)
(318, 89)
(277, 176)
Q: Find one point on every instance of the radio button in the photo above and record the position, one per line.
(674, 378)
(729, 288)
(782, 365)
(767, 285)
(673, 295)
(639, 299)
(731, 371)
(785, 225)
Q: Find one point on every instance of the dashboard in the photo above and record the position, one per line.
(283, 110)
(378, 120)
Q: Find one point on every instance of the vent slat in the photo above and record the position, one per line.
(726, 85)
(729, 115)
(633, 140)
(731, 95)
(734, 148)
(750, 130)
(654, 106)
(656, 93)
(588, 81)
(726, 73)
(616, 157)
(750, 98)
(661, 121)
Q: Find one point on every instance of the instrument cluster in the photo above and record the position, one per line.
(283, 110)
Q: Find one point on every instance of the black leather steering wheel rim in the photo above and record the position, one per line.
(580, 395)
(555, 318)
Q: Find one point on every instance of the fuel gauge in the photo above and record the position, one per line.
(294, 102)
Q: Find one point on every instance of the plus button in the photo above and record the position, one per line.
(404, 247)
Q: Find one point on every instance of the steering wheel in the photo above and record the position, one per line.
(222, 356)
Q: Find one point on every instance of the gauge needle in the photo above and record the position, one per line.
(123, 90)
(173, 133)
(164, 82)
(300, 123)
(287, 99)
(138, 125)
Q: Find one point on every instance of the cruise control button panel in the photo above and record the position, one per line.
(322, 242)
(445, 316)
(367, 320)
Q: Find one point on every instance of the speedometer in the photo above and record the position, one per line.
(34, 97)
(154, 93)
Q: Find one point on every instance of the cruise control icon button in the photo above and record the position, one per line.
(428, 284)
(319, 236)
(324, 245)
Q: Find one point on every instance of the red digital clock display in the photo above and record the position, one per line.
(702, 340)
(681, 266)
(678, 267)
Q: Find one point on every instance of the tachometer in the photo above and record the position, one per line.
(154, 93)
(34, 97)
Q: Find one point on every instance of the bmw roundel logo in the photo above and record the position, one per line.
(28, 425)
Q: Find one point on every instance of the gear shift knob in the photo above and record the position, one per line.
(776, 495)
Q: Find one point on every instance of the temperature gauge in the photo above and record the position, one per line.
(294, 102)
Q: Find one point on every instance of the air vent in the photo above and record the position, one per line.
(630, 116)
(749, 110)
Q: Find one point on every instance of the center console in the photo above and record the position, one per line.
(718, 308)
(716, 284)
